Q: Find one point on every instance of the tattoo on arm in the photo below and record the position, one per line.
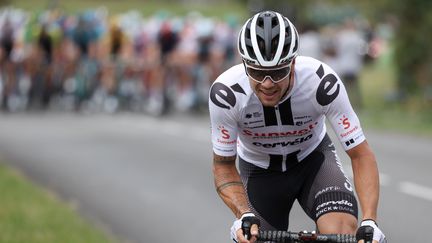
(227, 184)
(224, 159)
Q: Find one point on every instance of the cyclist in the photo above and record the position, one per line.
(271, 111)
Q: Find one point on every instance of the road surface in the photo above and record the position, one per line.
(145, 179)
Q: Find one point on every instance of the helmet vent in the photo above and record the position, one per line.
(287, 45)
(274, 22)
(260, 22)
(275, 42)
(295, 46)
(251, 52)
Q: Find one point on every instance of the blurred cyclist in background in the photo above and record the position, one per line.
(271, 111)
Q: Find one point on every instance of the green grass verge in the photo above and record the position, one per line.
(29, 214)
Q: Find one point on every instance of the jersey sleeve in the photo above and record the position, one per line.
(338, 110)
(223, 120)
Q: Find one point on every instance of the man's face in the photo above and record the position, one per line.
(267, 91)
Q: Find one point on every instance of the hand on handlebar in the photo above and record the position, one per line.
(369, 230)
(245, 229)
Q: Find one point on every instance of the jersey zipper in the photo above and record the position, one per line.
(279, 125)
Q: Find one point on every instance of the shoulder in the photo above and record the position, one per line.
(305, 65)
(230, 87)
(319, 78)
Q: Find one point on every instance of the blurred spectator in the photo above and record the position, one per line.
(310, 43)
(7, 41)
(45, 44)
(116, 39)
(7, 75)
(350, 49)
(184, 62)
(45, 50)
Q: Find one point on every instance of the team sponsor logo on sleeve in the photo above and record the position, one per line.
(349, 142)
(224, 136)
(348, 128)
(225, 150)
(345, 122)
(353, 141)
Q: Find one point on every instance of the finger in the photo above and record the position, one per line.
(254, 230)
(240, 237)
(254, 233)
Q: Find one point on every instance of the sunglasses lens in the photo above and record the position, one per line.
(279, 74)
(276, 75)
(257, 74)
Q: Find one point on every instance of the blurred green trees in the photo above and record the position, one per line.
(413, 51)
(4, 2)
(411, 43)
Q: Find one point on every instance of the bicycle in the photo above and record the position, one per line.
(305, 236)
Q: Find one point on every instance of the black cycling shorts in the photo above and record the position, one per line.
(317, 182)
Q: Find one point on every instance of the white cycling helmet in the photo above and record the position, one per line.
(268, 39)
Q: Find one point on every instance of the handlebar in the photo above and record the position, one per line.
(294, 237)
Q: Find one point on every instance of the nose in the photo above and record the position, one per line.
(268, 82)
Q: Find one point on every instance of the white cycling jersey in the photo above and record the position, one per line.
(295, 127)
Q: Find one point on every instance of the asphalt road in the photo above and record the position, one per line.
(145, 179)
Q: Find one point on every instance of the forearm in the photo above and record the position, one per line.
(229, 185)
(366, 180)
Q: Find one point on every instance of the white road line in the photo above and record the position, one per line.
(384, 179)
(416, 190)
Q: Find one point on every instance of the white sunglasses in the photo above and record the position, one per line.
(276, 75)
